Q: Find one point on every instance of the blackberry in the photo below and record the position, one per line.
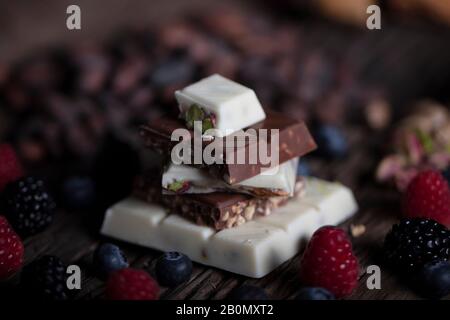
(28, 206)
(414, 242)
(45, 279)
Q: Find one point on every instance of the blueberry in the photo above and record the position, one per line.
(331, 142)
(108, 258)
(172, 269)
(446, 174)
(303, 169)
(79, 192)
(314, 293)
(248, 292)
(434, 279)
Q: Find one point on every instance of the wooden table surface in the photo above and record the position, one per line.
(74, 235)
(73, 238)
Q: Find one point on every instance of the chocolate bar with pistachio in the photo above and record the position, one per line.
(219, 210)
(279, 181)
(293, 138)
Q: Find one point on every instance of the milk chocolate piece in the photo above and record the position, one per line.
(219, 210)
(294, 141)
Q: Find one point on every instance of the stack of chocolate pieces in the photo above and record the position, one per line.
(255, 172)
(228, 195)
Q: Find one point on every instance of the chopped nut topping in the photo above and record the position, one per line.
(357, 230)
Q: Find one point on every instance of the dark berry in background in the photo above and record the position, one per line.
(331, 142)
(45, 279)
(248, 292)
(314, 293)
(446, 174)
(10, 167)
(434, 279)
(172, 269)
(78, 192)
(108, 258)
(28, 206)
(177, 69)
(412, 243)
(303, 168)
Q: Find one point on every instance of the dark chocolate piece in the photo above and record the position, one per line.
(294, 141)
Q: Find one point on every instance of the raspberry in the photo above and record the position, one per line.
(428, 196)
(131, 284)
(11, 250)
(45, 279)
(28, 206)
(10, 168)
(329, 262)
(414, 242)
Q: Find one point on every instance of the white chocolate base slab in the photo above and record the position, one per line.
(253, 249)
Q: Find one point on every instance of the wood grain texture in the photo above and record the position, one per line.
(70, 238)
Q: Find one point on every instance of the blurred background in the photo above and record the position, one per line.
(70, 101)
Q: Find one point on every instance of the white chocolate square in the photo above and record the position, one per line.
(135, 221)
(281, 177)
(296, 218)
(235, 106)
(334, 201)
(179, 234)
(324, 203)
(252, 249)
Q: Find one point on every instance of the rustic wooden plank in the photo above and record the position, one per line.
(379, 207)
(283, 282)
(212, 283)
(69, 238)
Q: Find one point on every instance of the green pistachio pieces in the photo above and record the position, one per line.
(207, 124)
(176, 186)
(194, 113)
